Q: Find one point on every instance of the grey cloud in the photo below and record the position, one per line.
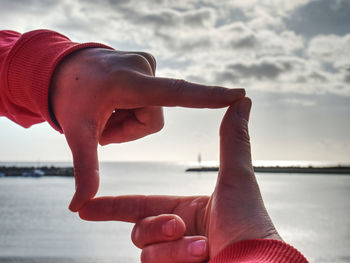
(347, 79)
(226, 77)
(185, 44)
(118, 2)
(198, 18)
(264, 70)
(262, 43)
(318, 77)
(321, 17)
(171, 18)
(248, 41)
(261, 70)
(104, 3)
(162, 19)
(283, 75)
(240, 72)
(241, 36)
(347, 76)
(237, 27)
(315, 77)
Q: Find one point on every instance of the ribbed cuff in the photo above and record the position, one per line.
(31, 64)
(259, 250)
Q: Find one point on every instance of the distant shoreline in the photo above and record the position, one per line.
(343, 170)
(31, 171)
(47, 171)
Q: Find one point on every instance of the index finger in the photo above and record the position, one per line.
(131, 208)
(143, 90)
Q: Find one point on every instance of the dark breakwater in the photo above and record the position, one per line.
(344, 170)
(15, 171)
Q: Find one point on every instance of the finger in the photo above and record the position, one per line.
(131, 208)
(150, 58)
(86, 170)
(127, 125)
(128, 208)
(143, 90)
(157, 229)
(187, 249)
(235, 153)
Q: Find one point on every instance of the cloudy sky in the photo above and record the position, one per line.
(292, 57)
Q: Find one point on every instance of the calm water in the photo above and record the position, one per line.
(312, 212)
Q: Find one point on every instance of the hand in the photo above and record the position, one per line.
(186, 229)
(101, 96)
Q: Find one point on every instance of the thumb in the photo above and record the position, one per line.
(237, 206)
(86, 170)
(235, 153)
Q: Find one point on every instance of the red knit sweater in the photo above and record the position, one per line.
(27, 63)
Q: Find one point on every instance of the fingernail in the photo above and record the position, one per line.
(241, 91)
(169, 228)
(237, 93)
(243, 108)
(197, 248)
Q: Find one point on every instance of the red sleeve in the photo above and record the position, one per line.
(259, 250)
(27, 63)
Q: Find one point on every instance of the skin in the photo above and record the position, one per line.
(102, 96)
(172, 229)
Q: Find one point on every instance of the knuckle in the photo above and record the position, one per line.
(105, 62)
(150, 58)
(137, 58)
(140, 62)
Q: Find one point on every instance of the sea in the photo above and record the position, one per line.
(310, 211)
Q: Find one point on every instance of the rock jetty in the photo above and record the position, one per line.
(344, 170)
(16, 171)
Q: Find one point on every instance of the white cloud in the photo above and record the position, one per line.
(232, 42)
(331, 49)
